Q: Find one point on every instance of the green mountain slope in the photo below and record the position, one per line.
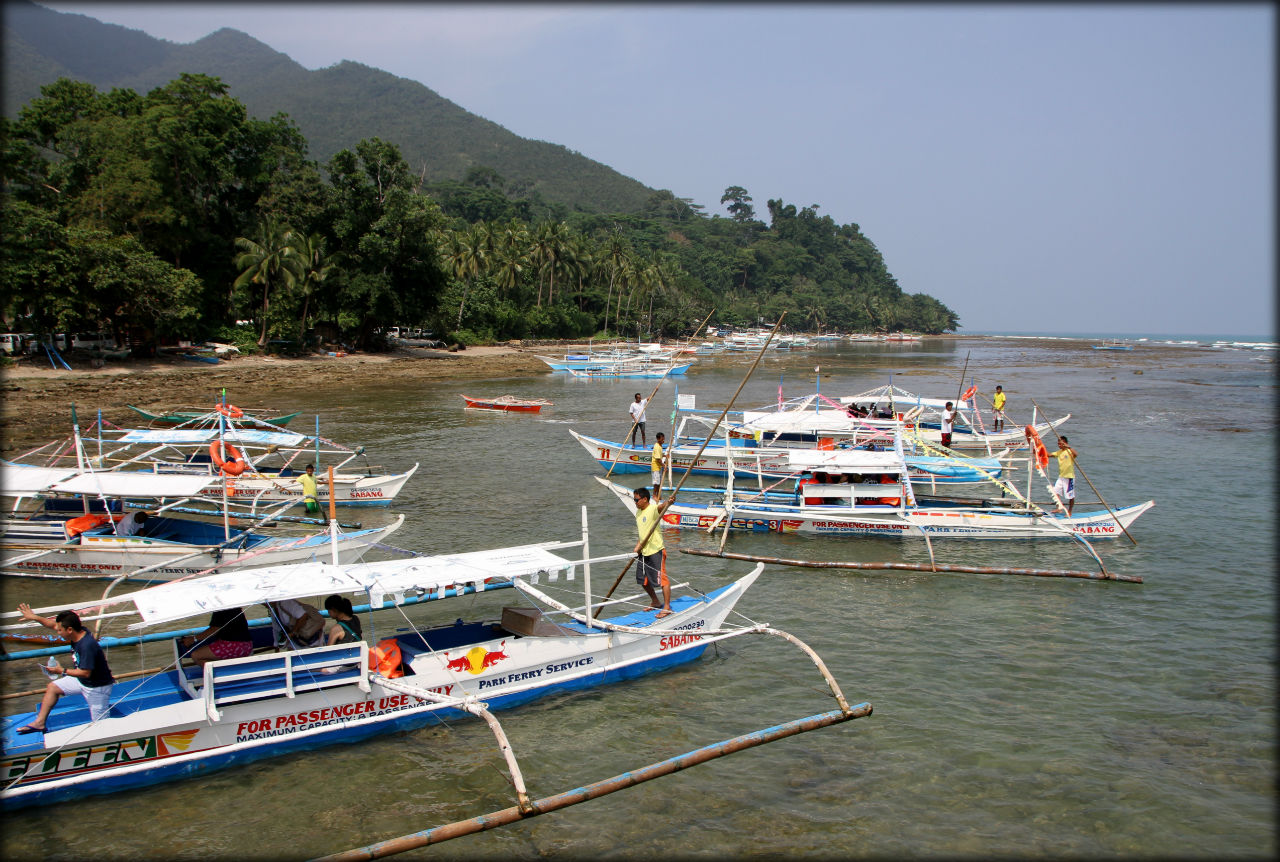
(334, 107)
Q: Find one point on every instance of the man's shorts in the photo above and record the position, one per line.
(1065, 488)
(652, 569)
(97, 696)
(656, 476)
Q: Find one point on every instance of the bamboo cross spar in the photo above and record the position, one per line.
(705, 441)
(1085, 476)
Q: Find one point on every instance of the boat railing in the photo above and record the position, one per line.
(286, 673)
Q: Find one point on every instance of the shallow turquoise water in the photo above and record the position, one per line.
(1013, 716)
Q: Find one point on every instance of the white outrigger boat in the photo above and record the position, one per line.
(184, 721)
(751, 461)
(57, 541)
(969, 432)
(883, 503)
(267, 462)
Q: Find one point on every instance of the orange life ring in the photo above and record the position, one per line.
(234, 467)
(969, 393)
(231, 411)
(1040, 453)
(385, 658)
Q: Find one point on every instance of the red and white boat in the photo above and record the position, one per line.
(509, 403)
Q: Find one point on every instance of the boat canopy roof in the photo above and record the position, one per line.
(845, 460)
(24, 480)
(899, 396)
(137, 483)
(188, 598)
(208, 435)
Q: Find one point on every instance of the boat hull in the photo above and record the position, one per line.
(953, 522)
(111, 556)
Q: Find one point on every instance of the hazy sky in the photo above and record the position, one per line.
(1095, 168)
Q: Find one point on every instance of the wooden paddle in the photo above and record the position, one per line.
(1085, 476)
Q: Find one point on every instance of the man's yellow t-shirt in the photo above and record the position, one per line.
(1066, 464)
(998, 401)
(645, 519)
(656, 461)
(308, 483)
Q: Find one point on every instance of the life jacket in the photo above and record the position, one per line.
(76, 526)
(385, 658)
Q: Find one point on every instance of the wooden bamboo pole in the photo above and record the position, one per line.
(1086, 478)
(118, 676)
(1104, 575)
(706, 440)
(631, 778)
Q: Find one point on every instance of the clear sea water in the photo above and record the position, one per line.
(1013, 716)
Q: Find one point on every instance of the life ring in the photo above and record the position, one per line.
(231, 411)
(76, 526)
(1040, 453)
(235, 466)
(969, 393)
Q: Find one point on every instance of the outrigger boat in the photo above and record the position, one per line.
(750, 461)
(969, 432)
(637, 370)
(184, 721)
(508, 403)
(881, 503)
(252, 466)
(58, 541)
(186, 415)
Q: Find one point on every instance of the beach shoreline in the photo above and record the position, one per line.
(37, 399)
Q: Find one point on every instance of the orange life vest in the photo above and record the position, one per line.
(385, 658)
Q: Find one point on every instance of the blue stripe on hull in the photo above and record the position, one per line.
(180, 768)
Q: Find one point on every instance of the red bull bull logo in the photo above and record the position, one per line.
(476, 659)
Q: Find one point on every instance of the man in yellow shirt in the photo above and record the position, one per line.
(1065, 487)
(997, 413)
(655, 466)
(308, 482)
(651, 551)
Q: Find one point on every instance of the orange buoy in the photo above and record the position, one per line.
(231, 411)
(233, 465)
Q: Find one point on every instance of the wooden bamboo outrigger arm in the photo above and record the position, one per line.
(1104, 575)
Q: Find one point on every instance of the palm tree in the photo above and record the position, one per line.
(315, 268)
(269, 261)
(614, 256)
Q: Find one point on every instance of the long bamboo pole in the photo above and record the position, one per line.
(706, 440)
(588, 792)
(118, 676)
(1086, 478)
(622, 446)
(1104, 575)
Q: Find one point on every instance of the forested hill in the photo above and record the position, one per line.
(334, 108)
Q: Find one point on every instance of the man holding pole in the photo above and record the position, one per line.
(997, 411)
(1065, 487)
(655, 466)
(637, 418)
(651, 551)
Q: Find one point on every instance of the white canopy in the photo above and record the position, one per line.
(181, 599)
(190, 436)
(25, 480)
(135, 484)
(799, 421)
(845, 460)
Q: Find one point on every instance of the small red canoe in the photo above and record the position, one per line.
(509, 403)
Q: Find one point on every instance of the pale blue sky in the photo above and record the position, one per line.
(1091, 168)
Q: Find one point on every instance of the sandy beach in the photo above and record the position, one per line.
(37, 399)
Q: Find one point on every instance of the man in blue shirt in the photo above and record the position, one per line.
(90, 677)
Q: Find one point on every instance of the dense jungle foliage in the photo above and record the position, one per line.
(177, 215)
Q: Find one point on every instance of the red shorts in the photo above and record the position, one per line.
(231, 649)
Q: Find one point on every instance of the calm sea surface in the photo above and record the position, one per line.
(1014, 716)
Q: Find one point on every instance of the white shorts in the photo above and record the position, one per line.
(656, 475)
(97, 696)
(1065, 488)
